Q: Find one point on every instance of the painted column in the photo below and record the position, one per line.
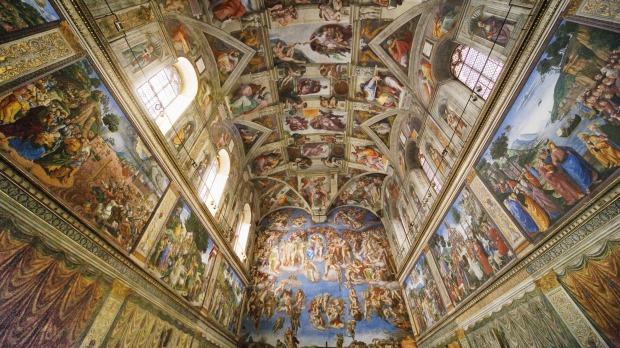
(100, 327)
(440, 284)
(460, 336)
(574, 319)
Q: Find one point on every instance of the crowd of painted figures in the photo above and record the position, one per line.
(423, 293)
(177, 260)
(63, 128)
(466, 262)
(357, 261)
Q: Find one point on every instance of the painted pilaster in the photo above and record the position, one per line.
(500, 218)
(140, 253)
(574, 319)
(100, 327)
(460, 336)
(440, 284)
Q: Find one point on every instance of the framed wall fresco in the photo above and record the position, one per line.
(227, 302)
(559, 143)
(183, 255)
(20, 18)
(76, 142)
(422, 291)
(468, 248)
(316, 282)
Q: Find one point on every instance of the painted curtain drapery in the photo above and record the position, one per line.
(140, 327)
(43, 302)
(596, 287)
(528, 322)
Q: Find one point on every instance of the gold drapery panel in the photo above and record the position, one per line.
(528, 322)
(596, 287)
(141, 327)
(43, 302)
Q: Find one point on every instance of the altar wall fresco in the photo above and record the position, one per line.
(321, 281)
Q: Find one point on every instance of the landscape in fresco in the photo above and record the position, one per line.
(66, 131)
(468, 248)
(560, 140)
(23, 14)
(227, 298)
(423, 294)
(318, 282)
(183, 255)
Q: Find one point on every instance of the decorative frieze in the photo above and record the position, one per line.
(25, 56)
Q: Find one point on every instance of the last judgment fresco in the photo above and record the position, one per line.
(324, 282)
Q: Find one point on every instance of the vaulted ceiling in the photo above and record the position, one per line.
(325, 94)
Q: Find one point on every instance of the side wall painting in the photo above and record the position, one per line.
(423, 294)
(183, 255)
(77, 142)
(25, 14)
(318, 282)
(227, 298)
(560, 140)
(468, 248)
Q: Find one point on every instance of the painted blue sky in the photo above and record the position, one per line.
(442, 230)
(414, 281)
(47, 11)
(531, 120)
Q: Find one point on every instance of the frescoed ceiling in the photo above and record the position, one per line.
(315, 88)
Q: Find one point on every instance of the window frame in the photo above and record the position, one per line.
(482, 71)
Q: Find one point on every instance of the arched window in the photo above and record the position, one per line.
(243, 232)
(475, 68)
(169, 92)
(212, 187)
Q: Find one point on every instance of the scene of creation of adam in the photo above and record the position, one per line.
(317, 282)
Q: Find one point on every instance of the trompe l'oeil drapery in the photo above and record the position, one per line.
(596, 287)
(139, 327)
(43, 302)
(528, 322)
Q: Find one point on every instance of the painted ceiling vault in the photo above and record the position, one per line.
(321, 92)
